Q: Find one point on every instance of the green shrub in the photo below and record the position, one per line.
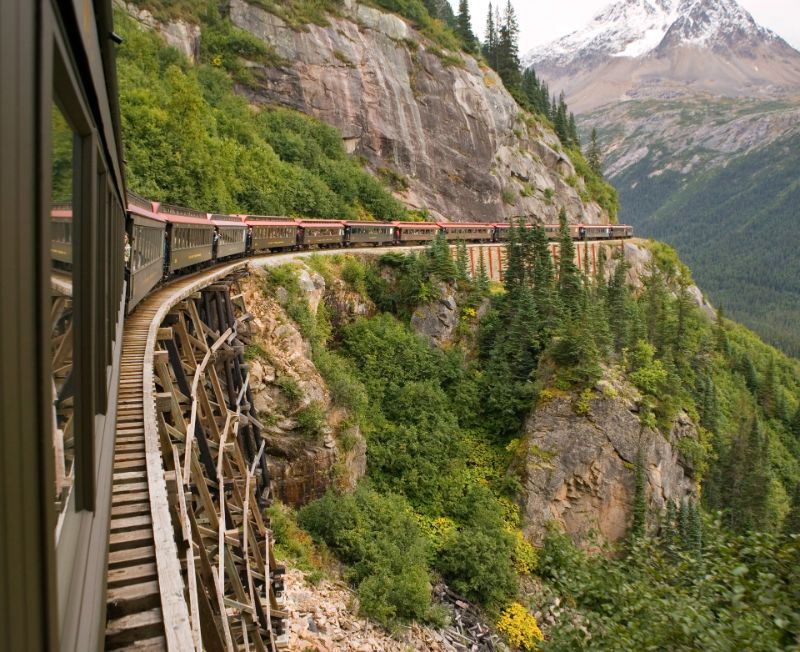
(382, 543)
(290, 387)
(311, 421)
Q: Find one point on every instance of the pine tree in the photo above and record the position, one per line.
(462, 261)
(720, 333)
(514, 276)
(617, 295)
(669, 526)
(543, 279)
(569, 280)
(791, 525)
(490, 42)
(767, 391)
(464, 26)
(794, 426)
(508, 48)
(593, 155)
(442, 264)
(482, 278)
(695, 538)
(573, 130)
(683, 523)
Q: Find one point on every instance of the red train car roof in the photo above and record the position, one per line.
(337, 223)
(283, 222)
(417, 225)
(362, 223)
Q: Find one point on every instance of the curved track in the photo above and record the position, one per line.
(145, 588)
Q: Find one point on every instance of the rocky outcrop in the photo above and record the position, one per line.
(286, 385)
(578, 470)
(436, 320)
(182, 35)
(441, 120)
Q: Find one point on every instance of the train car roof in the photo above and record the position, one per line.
(417, 225)
(451, 225)
(363, 223)
(266, 218)
(338, 223)
(187, 219)
(283, 222)
(226, 220)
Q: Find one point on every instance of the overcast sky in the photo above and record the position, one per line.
(542, 21)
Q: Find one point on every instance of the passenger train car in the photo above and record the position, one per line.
(191, 239)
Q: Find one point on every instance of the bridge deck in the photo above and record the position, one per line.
(134, 602)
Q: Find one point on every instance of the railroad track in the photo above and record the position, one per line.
(144, 585)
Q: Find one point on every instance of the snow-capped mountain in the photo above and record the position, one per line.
(636, 48)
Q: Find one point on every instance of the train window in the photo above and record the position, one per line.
(62, 305)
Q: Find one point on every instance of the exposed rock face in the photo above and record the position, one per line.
(579, 471)
(301, 468)
(452, 130)
(181, 35)
(436, 320)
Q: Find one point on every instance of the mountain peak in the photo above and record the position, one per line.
(710, 45)
(636, 28)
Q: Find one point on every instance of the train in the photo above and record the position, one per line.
(167, 240)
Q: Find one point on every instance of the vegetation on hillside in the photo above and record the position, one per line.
(190, 140)
(736, 226)
(441, 427)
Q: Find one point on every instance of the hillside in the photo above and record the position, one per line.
(573, 414)
(735, 226)
(435, 125)
(697, 110)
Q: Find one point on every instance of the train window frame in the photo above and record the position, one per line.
(64, 93)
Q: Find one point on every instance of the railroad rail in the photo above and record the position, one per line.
(147, 602)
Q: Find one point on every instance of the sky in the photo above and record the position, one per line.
(542, 21)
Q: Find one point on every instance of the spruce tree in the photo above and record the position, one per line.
(593, 155)
(569, 280)
(490, 42)
(794, 426)
(720, 333)
(482, 278)
(464, 26)
(462, 261)
(767, 391)
(695, 539)
(508, 48)
(573, 131)
(514, 275)
(543, 279)
(791, 525)
(617, 295)
(683, 524)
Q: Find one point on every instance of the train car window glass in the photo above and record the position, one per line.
(62, 315)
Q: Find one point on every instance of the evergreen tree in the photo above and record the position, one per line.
(573, 130)
(720, 333)
(482, 278)
(695, 534)
(442, 264)
(791, 525)
(683, 524)
(794, 426)
(464, 26)
(669, 527)
(569, 280)
(543, 278)
(750, 375)
(490, 42)
(462, 261)
(508, 48)
(593, 155)
(617, 302)
(767, 392)
(514, 275)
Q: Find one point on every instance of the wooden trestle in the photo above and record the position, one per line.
(190, 562)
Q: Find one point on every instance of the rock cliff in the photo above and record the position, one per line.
(310, 443)
(578, 461)
(439, 124)
(443, 122)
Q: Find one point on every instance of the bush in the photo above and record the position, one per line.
(311, 421)
(290, 387)
(519, 627)
(380, 540)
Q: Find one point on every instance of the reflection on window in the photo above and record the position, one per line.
(62, 307)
